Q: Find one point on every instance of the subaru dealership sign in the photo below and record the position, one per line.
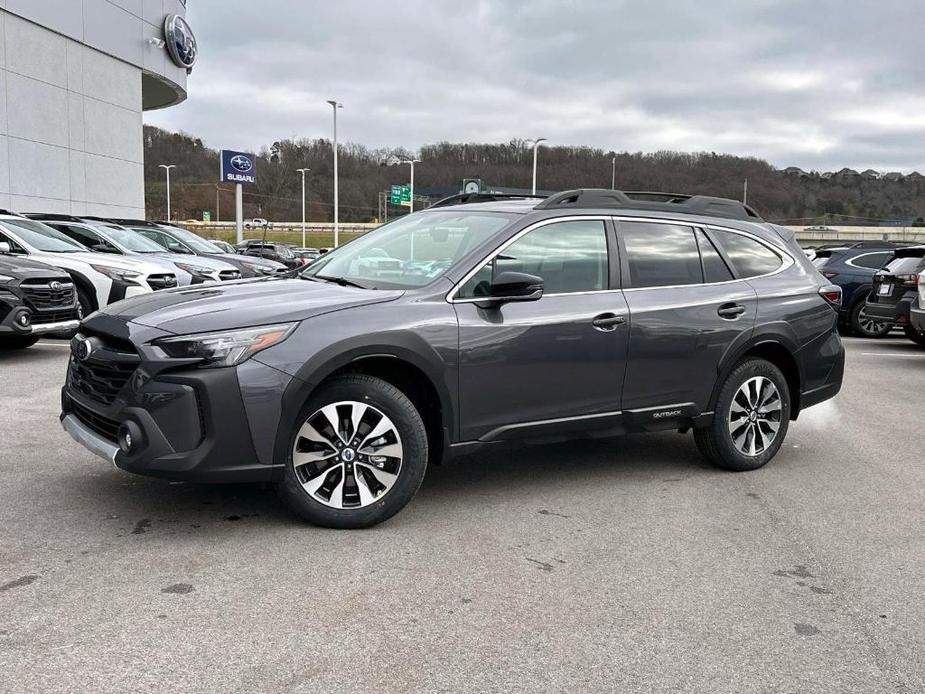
(238, 167)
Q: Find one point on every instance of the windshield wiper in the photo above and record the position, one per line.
(342, 281)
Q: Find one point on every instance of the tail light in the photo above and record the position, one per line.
(828, 274)
(908, 280)
(832, 294)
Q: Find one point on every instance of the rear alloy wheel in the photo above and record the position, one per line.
(751, 418)
(914, 335)
(865, 326)
(357, 456)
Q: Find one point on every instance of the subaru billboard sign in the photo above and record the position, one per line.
(238, 167)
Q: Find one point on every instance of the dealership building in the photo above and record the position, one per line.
(75, 77)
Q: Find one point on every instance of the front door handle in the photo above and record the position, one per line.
(607, 322)
(730, 310)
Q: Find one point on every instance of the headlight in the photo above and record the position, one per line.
(115, 273)
(199, 272)
(4, 278)
(228, 348)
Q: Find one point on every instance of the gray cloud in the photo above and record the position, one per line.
(820, 84)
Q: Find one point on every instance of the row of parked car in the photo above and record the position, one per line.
(56, 268)
(882, 286)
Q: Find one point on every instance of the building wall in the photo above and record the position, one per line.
(75, 76)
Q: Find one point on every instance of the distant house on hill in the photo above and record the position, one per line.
(846, 173)
(794, 171)
(915, 176)
(826, 175)
(893, 176)
(870, 174)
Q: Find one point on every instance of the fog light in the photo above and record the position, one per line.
(23, 319)
(129, 437)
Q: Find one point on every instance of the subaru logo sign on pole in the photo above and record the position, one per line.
(238, 168)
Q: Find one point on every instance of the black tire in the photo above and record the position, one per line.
(715, 441)
(18, 341)
(914, 335)
(863, 327)
(85, 303)
(391, 402)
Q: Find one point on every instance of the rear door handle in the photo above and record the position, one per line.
(730, 310)
(608, 321)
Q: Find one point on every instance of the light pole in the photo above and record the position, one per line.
(411, 186)
(335, 105)
(613, 173)
(167, 168)
(536, 145)
(303, 172)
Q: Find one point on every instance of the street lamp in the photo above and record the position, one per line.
(536, 144)
(303, 172)
(167, 168)
(335, 105)
(613, 173)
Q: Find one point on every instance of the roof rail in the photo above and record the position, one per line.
(464, 198)
(51, 217)
(643, 200)
(12, 214)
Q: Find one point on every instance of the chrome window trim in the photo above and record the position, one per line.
(451, 295)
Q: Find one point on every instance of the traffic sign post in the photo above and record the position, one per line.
(400, 195)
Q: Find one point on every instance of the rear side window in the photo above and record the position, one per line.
(714, 267)
(661, 255)
(905, 265)
(748, 257)
(872, 261)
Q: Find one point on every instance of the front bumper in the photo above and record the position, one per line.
(37, 322)
(190, 425)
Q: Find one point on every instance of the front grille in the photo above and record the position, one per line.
(103, 426)
(99, 382)
(46, 317)
(48, 294)
(165, 281)
(226, 275)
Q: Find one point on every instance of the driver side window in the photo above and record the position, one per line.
(569, 256)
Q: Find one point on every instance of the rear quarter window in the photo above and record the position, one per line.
(748, 257)
(905, 265)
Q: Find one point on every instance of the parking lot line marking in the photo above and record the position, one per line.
(891, 354)
(55, 344)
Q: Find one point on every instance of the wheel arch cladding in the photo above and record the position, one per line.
(87, 286)
(396, 366)
(775, 350)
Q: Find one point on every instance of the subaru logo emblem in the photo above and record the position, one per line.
(82, 348)
(241, 163)
(55, 286)
(181, 43)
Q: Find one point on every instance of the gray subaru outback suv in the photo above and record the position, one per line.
(479, 321)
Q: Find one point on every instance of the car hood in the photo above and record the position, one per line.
(253, 260)
(21, 268)
(118, 261)
(205, 261)
(239, 304)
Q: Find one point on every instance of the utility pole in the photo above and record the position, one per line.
(536, 144)
(335, 105)
(613, 174)
(217, 203)
(303, 172)
(167, 168)
(745, 193)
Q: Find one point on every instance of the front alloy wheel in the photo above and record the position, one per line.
(357, 454)
(347, 455)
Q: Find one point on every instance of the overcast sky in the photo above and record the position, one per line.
(815, 84)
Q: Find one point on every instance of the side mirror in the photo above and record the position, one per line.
(102, 248)
(4, 247)
(175, 247)
(514, 286)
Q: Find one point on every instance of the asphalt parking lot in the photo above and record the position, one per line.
(626, 565)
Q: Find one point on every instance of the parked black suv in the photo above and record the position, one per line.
(277, 252)
(852, 268)
(895, 290)
(478, 321)
(35, 299)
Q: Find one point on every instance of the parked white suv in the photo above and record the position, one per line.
(101, 279)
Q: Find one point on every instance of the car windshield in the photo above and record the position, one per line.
(411, 251)
(42, 237)
(129, 240)
(197, 243)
